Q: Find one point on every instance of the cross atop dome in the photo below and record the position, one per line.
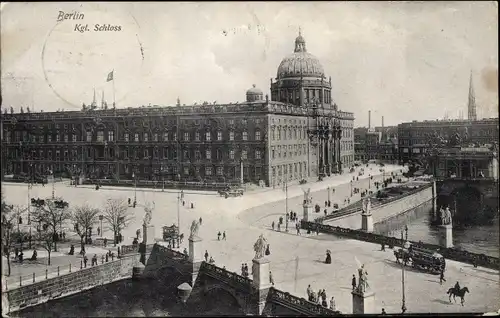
(300, 43)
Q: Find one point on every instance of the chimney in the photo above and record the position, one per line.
(369, 119)
(382, 121)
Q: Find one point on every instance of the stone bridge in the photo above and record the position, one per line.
(207, 279)
(472, 199)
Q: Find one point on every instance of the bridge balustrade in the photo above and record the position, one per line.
(226, 276)
(449, 253)
(288, 300)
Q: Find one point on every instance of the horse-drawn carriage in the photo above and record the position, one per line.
(171, 234)
(421, 258)
(231, 192)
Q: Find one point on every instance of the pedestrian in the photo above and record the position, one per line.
(107, 257)
(200, 220)
(382, 248)
(105, 242)
(224, 235)
(326, 212)
(129, 201)
(271, 280)
(267, 250)
(243, 269)
(272, 225)
(246, 270)
(192, 205)
(211, 260)
(320, 293)
(85, 260)
(326, 204)
(183, 203)
(298, 229)
(185, 251)
(98, 231)
(94, 259)
(441, 277)
(332, 303)
(329, 203)
(383, 311)
(279, 227)
(323, 299)
(218, 236)
(353, 282)
(206, 256)
(309, 292)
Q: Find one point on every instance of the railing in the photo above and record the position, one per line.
(225, 275)
(172, 253)
(305, 306)
(129, 249)
(450, 253)
(209, 186)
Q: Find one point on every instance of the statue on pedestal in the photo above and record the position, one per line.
(367, 204)
(446, 216)
(363, 279)
(307, 196)
(195, 226)
(260, 247)
(149, 213)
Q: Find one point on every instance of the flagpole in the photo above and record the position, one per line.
(114, 101)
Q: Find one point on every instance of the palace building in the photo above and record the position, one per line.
(298, 133)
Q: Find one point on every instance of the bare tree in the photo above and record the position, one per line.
(51, 215)
(7, 228)
(117, 216)
(46, 239)
(83, 218)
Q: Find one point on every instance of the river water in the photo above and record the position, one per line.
(482, 239)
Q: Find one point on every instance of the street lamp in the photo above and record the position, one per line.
(286, 203)
(351, 188)
(404, 240)
(101, 217)
(369, 181)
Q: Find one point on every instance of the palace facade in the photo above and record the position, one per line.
(298, 133)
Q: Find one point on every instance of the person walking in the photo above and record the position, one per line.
(85, 260)
(200, 220)
(271, 280)
(218, 236)
(441, 277)
(383, 311)
(272, 225)
(332, 303)
(224, 235)
(309, 292)
(353, 282)
(206, 256)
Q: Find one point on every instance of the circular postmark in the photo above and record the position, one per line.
(84, 48)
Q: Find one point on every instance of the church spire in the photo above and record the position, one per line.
(471, 105)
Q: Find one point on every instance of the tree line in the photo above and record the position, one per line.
(49, 216)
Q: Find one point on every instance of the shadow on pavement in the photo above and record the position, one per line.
(444, 302)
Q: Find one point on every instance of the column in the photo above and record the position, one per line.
(148, 236)
(363, 302)
(446, 235)
(434, 199)
(261, 282)
(195, 256)
(367, 220)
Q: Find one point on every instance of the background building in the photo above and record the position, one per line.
(414, 137)
(298, 133)
(376, 143)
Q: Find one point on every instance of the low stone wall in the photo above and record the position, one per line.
(158, 184)
(281, 303)
(449, 253)
(382, 211)
(61, 286)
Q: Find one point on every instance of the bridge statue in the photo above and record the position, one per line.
(149, 213)
(307, 196)
(260, 247)
(446, 217)
(195, 226)
(367, 204)
(363, 279)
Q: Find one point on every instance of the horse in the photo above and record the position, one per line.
(460, 293)
(400, 254)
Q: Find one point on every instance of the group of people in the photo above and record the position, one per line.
(289, 216)
(219, 234)
(320, 298)
(244, 270)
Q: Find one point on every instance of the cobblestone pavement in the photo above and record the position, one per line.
(243, 220)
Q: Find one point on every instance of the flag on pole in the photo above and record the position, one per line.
(110, 76)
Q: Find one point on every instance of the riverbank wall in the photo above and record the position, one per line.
(385, 210)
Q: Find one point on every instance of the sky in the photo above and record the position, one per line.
(401, 60)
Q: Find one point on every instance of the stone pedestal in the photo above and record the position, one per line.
(363, 303)
(260, 269)
(195, 250)
(148, 234)
(446, 235)
(308, 212)
(434, 199)
(367, 222)
(138, 271)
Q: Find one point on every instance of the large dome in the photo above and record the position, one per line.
(300, 63)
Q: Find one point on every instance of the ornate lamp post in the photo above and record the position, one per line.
(404, 240)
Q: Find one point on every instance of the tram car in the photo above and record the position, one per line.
(421, 258)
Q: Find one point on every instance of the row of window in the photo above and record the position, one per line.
(290, 151)
(289, 169)
(126, 136)
(446, 133)
(166, 154)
